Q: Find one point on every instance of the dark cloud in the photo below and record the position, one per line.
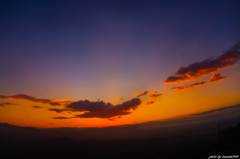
(196, 70)
(86, 105)
(29, 98)
(142, 93)
(149, 103)
(57, 110)
(104, 110)
(5, 104)
(36, 106)
(60, 117)
(155, 95)
(214, 78)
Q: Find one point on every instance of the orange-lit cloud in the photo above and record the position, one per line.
(62, 110)
(5, 104)
(104, 110)
(155, 95)
(214, 78)
(196, 70)
(142, 93)
(36, 100)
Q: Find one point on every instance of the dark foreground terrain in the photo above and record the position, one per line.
(14, 144)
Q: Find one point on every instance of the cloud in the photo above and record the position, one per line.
(155, 95)
(196, 70)
(60, 117)
(36, 100)
(5, 104)
(86, 105)
(188, 86)
(149, 103)
(214, 78)
(142, 93)
(35, 106)
(104, 110)
(62, 110)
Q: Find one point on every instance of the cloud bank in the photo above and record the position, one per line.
(104, 110)
(196, 70)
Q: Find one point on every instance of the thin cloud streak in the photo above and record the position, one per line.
(35, 106)
(6, 104)
(181, 88)
(142, 93)
(60, 117)
(36, 100)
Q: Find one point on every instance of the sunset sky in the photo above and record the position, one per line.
(106, 63)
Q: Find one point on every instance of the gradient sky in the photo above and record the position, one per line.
(63, 61)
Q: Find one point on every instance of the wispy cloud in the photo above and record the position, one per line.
(62, 110)
(142, 93)
(214, 78)
(36, 100)
(196, 70)
(181, 88)
(155, 95)
(5, 104)
(35, 106)
(61, 117)
(149, 103)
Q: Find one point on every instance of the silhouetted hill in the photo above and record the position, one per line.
(178, 146)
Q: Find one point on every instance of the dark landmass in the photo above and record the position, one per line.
(27, 142)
